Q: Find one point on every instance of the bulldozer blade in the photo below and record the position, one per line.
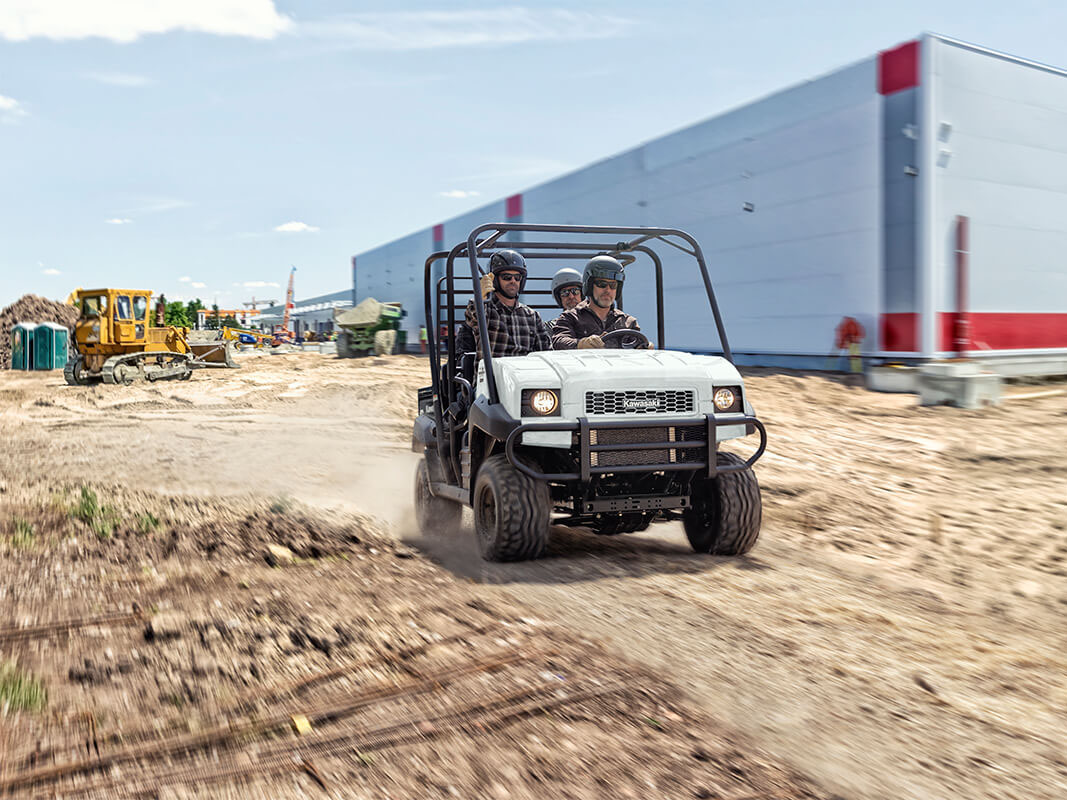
(214, 354)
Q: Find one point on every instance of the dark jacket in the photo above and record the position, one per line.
(513, 330)
(581, 321)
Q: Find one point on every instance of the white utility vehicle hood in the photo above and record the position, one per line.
(574, 373)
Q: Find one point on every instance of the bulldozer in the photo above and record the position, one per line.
(114, 342)
(372, 326)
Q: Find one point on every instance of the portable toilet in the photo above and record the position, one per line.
(22, 345)
(50, 342)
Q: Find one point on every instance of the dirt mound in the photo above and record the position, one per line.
(179, 661)
(31, 308)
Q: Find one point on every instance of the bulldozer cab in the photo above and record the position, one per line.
(113, 316)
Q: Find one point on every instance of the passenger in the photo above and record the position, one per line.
(567, 290)
(583, 325)
(514, 328)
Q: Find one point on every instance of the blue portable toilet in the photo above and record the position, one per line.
(50, 344)
(22, 345)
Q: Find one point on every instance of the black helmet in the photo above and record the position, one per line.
(505, 260)
(564, 278)
(605, 268)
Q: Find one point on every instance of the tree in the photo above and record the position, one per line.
(230, 321)
(191, 308)
(212, 321)
(175, 314)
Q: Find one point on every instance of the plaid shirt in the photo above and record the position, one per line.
(513, 330)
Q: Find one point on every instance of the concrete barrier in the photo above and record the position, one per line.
(961, 384)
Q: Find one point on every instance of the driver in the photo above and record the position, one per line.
(583, 325)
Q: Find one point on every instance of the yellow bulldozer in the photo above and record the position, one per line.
(115, 342)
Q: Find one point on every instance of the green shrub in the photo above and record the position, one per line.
(20, 691)
(23, 534)
(102, 520)
(147, 523)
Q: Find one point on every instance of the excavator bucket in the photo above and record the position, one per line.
(218, 353)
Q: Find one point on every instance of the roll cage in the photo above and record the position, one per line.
(581, 243)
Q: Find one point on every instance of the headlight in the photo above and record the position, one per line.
(540, 403)
(727, 399)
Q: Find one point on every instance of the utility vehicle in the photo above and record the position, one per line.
(612, 439)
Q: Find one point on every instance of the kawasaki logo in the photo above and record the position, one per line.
(650, 404)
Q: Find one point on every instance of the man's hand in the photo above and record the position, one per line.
(590, 342)
(487, 285)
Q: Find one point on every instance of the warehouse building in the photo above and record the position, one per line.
(921, 192)
(313, 314)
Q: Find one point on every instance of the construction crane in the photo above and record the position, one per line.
(256, 303)
(288, 302)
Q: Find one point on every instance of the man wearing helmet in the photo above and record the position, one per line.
(514, 328)
(582, 326)
(566, 289)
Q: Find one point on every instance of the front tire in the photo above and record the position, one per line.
(433, 514)
(725, 517)
(511, 512)
(384, 343)
(74, 372)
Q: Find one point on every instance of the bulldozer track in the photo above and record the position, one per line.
(18, 634)
(226, 735)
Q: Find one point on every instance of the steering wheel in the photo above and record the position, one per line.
(625, 339)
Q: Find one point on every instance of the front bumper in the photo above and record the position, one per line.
(680, 446)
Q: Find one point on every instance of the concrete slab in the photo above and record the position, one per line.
(960, 384)
(894, 378)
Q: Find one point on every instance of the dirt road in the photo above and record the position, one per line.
(898, 632)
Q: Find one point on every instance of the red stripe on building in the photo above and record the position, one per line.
(899, 333)
(438, 233)
(989, 331)
(513, 207)
(898, 69)
(1007, 331)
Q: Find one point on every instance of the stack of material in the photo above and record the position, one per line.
(31, 308)
(368, 312)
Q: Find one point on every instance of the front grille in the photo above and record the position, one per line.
(622, 458)
(640, 401)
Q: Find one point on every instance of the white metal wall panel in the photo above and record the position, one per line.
(785, 273)
(1003, 164)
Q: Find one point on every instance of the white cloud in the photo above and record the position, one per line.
(459, 194)
(128, 20)
(11, 109)
(198, 285)
(118, 221)
(259, 284)
(51, 271)
(426, 30)
(184, 279)
(296, 227)
(122, 79)
(155, 205)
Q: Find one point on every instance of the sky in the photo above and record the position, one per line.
(200, 148)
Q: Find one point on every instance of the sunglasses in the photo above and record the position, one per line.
(575, 290)
(509, 276)
(606, 284)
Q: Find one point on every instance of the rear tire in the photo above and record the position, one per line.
(622, 523)
(433, 514)
(511, 512)
(724, 519)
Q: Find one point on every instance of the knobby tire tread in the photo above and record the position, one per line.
(522, 503)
